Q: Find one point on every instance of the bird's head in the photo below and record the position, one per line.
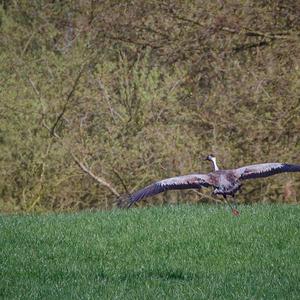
(210, 157)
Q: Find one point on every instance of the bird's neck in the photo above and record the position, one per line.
(214, 163)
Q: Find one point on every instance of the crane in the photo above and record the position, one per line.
(224, 182)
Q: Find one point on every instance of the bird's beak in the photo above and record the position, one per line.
(205, 158)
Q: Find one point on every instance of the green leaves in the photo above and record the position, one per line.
(139, 91)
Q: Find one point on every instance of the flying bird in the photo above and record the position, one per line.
(223, 182)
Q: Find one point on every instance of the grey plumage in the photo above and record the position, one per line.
(193, 181)
(223, 182)
(265, 170)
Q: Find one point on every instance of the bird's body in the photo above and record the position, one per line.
(223, 182)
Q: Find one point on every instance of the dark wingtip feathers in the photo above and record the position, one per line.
(267, 169)
(291, 168)
(150, 190)
(125, 201)
(122, 201)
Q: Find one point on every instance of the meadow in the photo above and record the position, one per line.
(169, 252)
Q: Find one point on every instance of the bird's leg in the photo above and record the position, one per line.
(234, 201)
(234, 210)
(227, 202)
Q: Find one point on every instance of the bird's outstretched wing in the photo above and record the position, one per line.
(193, 181)
(265, 170)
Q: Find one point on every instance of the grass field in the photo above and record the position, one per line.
(173, 252)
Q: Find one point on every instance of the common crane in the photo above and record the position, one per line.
(223, 182)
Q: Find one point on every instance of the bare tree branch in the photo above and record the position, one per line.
(100, 180)
(52, 131)
(85, 169)
(121, 180)
(287, 35)
(250, 46)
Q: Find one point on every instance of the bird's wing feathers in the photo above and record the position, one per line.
(194, 181)
(265, 170)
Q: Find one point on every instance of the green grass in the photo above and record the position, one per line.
(174, 252)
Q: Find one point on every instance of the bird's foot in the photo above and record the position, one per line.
(235, 212)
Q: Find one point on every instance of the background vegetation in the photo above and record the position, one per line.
(175, 252)
(100, 98)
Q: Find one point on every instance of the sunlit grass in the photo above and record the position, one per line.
(173, 252)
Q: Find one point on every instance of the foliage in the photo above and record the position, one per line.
(174, 252)
(139, 91)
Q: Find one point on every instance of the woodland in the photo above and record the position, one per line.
(100, 98)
